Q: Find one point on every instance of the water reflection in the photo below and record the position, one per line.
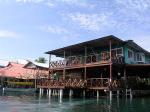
(16, 102)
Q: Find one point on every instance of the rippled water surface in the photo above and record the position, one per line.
(32, 103)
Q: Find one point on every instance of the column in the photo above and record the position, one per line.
(97, 94)
(85, 55)
(110, 70)
(70, 93)
(64, 70)
(110, 95)
(49, 93)
(83, 93)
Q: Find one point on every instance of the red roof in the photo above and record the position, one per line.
(16, 70)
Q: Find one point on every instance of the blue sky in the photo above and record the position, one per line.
(28, 28)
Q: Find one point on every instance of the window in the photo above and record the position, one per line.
(130, 54)
(140, 57)
(117, 52)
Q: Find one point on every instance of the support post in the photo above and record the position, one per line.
(41, 91)
(3, 90)
(49, 66)
(97, 94)
(118, 93)
(49, 93)
(83, 93)
(130, 93)
(110, 70)
(61, 94)
(70, 93)
(110, 95)
(125, 77)
(64, 70)
(34, 79)
(85, 56)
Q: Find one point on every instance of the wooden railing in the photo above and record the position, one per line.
(92, 83)
(117, 84)
(90, 59)
(67, 83)
(76, 83)
(57, 64)
(97, 82)
(78, 60)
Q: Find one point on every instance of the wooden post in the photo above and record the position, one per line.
(49, 93)
(70, 93)
(97, 94)
(49, 66)
(85, 55)
(35, 79)
(125, 77)
(64, 70)
(61, 94)
(110, 70)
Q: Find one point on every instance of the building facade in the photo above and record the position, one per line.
(102, 64)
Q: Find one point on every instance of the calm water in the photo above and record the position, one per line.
(32, 103)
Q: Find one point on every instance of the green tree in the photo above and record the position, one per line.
(41, 60)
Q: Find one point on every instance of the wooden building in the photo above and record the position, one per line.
(103, 64)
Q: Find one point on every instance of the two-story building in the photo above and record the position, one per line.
(100, 64)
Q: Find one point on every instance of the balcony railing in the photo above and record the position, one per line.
(97, 82)
(75, 83)
(90, 59)
(67, 83)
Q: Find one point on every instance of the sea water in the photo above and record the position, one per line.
(20, 102)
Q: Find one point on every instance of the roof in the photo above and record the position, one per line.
(100, 42)
(35, 65)
(16, 70)
(96, 43)
(132, 44)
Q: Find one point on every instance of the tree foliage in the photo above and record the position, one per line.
(41, 60)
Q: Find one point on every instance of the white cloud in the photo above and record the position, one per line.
(82, 3)
(93, 22)
(54, 29)
(49, 3)
(139, 5)
(8, 34)
(29, 1)
(134, 9)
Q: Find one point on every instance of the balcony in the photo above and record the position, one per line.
(77, 61)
